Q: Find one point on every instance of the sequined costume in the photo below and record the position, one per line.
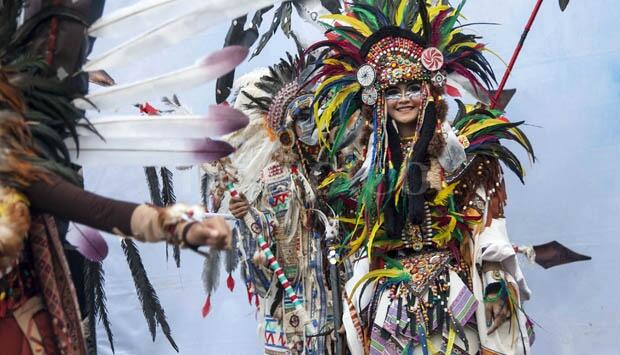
(426, 232)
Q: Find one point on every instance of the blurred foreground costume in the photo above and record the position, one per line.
(40, 188)
(426, 230)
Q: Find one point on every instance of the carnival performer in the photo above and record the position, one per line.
(40, 187)
(434, 270)
(274, 159)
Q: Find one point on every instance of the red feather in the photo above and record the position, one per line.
(207, 307)
(148, 109)
(230, 282)
(249, 293)
(256, 301)
(452, 91)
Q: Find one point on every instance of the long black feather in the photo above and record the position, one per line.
(96, 272)
(151, 307)
(169, 199)
(153, 183)
(91, 308)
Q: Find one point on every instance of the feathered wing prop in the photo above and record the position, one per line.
(174, 31)
(210, 68)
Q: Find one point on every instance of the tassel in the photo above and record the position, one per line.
(230, 282)
(207, 307)
(250, 294)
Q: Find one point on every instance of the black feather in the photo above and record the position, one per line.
(169, 199)
(151, 307)
(204, 189)
(153, 183)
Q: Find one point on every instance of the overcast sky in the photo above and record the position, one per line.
(568, 81)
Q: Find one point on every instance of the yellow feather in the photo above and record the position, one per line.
(433, 11)
(378, 224)
(345, 65)
(357, 243)
(398, 17)
(473, 128)
(442, 196)
(444, 236)
(461, 45)
(376, 274)
(353, 22)
(334, 104)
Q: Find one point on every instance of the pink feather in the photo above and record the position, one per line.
(88, 242)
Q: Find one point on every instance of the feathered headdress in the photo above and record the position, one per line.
(380, 43)
(284, 95)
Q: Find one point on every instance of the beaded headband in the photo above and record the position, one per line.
(392, 58)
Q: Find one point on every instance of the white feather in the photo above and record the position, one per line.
(154, 127)
(174, 31)
(254, 147)
(207, 69)
(139, 16)
(141, 152)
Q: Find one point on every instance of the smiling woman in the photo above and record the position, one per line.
(404, 102)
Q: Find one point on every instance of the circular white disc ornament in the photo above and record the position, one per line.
(439, 79)
(366, 75)
(432, 59)
(369, 95)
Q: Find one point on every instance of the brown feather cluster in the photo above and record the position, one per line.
(16, 170)
(14, 225)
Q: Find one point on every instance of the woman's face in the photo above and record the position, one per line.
(404, 102)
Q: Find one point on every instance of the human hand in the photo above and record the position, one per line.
(239, 206)
(496, 309)
(214, 232)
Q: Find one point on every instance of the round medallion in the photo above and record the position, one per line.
(432, 59)
(439, 79)
(369, 95)
(287, 138)
(366, 75)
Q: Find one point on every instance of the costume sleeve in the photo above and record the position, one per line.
(493, 245)
(67, 201)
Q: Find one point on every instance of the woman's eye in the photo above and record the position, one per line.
(392, 93)
(413, 88)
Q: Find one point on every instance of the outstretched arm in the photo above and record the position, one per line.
(144, 222)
